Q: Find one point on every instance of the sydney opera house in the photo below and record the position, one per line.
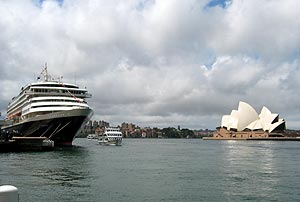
(246, 123)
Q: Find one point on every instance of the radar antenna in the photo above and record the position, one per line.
(45, 73)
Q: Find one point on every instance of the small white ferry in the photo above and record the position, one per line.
(111, 136)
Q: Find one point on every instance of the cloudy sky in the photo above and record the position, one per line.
(158, 62)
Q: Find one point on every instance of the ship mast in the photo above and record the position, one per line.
(45, 73)
(47, 76)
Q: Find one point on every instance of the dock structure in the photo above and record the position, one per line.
(223, 134)
(256, 139)
(19, 144)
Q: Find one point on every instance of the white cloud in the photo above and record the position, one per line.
(264, 29)
(158, 63)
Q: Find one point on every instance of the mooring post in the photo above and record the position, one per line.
(9, 193)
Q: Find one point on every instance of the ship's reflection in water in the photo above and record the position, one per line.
(67, 170)
(63, 176)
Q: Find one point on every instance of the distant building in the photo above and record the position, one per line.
(245, 123)
(128, 129)
(101, 127)
(103, 124)
(99, 130)
(203, 133)
(93, 127)
(147, 132)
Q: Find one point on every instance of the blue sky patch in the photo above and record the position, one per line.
(39, 3)
(221, 3)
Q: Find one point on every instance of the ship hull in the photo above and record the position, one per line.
(61, 127)
(115, 142)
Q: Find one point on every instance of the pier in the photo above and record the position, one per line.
(19, 144)
(256, 139)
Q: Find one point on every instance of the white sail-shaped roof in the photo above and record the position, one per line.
(246, 115)
(275, 125)
(230, 121)
(234, 113)
(255, 125)
(268, 120)
(225, 120)
(264, 112)
(233, 120)
(247, 118)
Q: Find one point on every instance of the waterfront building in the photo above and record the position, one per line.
(203, 133)
(147, 132)
(245, 123)
(94, 127)
(127, 129)
(103, 124)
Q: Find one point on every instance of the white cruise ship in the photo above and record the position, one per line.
(49, 108)
(111, 136)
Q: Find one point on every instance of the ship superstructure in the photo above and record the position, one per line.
(49, 108)
(111, 136)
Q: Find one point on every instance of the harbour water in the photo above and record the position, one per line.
(165, 170)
